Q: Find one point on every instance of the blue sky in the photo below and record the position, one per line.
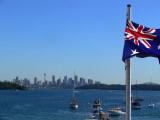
(60, 36)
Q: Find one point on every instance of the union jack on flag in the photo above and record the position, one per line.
(141, 41)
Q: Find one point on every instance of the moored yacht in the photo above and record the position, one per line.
(136, 105)
(116, 111)
(151, 104)
(97, 113)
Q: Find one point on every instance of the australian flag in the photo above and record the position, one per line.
(141, 41)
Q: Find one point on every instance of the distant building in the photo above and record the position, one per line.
(35, 81)
(21, 82)
(70, 81)
(90, 82)
(76, 80)
(53, 80)
(17, 78)
(65, 81)
(97, 82)
(26, 82)
(44, 77)
(59, 82)
(47, 82)
(39, 83)
(82, 81)
(17, 81)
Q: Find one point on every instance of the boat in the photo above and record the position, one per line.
(138, 99)
(96, 109)
(136, 105)
(151, 104)
(74, 105)
(97, 113)
(116, 111)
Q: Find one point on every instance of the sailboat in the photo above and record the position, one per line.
(137, 98)
(136, 104)
(150, 104)
(74, 105)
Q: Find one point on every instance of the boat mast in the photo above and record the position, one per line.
(74, 85)
(136, 88)
(151, 87)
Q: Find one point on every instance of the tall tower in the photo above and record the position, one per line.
(44, 77)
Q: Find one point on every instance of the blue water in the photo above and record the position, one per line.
(53, 104)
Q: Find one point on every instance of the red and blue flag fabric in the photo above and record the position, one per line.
(141, 41)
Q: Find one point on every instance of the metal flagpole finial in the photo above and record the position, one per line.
(129, 5)
(128, 12)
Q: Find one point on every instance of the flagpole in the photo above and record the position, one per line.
(128, 76)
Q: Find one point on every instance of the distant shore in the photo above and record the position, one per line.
(155, 87)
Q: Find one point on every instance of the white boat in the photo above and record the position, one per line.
(96, 109)
(74, 105)
(97, 113)
(116, 111)
(150, 104)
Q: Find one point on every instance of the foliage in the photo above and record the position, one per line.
(120, 87)
(11, 86)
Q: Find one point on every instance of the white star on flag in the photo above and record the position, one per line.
(158, 47)
(134, 52)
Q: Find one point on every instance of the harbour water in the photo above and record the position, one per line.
(53, 104)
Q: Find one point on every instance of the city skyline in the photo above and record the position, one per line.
(59, 36)
(44, 77)
(64, 82)
(50, 78)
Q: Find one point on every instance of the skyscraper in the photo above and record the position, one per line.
(35, 81)
(44, 77)
(59, 82)
(76, 80)
(90, 81)
(70, 81)
(65, 81)
(53, 80)
(81, 82)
